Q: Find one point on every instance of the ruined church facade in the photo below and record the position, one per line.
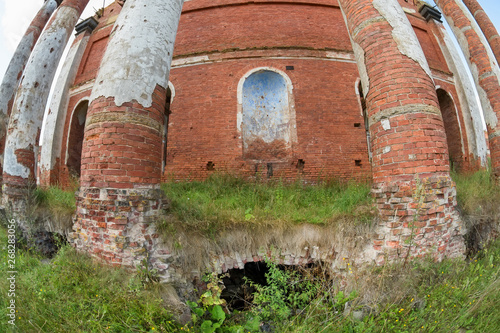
(304, 89)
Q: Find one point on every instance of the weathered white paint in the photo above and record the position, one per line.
(359, 56)
(386, 124)
(291, 100)
(19, 59)
(139, 53)
(402, 32)
(467, 99)
(55, 119)
(172, 92)
(190, 60)
(339, 55)
(490, 116)
(31, 97)
(84, 87)
(203, 60)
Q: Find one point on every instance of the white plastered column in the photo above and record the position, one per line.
(54, 122)
(31, 97)
(139, 53)
(16, 66)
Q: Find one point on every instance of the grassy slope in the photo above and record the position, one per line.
(72, 294)
(224, 200)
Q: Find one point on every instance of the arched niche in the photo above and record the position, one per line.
(452, 128)
(166, 121)
(266, 115)
(75, 138)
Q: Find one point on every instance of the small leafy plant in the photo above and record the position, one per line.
(209, 308)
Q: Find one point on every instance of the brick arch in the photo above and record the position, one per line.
(73, 159)
(452, 128)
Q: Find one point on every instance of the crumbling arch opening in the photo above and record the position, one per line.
(239, 284)
(452, 129)
(75, 138)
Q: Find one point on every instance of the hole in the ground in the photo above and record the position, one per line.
(239, 294)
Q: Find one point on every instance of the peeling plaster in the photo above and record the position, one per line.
(291, 101)
(32, 94)
(386, 124)
(402, 32)
(54, 122)
(139, 53)
(359, 56)
(19, 59)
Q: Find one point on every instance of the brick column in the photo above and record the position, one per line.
(29, 105)
(16, 67)
(412, 186)
(484, 68)
(484, 22)
(121, 157)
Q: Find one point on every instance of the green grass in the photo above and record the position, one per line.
(225, 200)
(56, 199)
(477, 193)
(451, 296)
(71, 293)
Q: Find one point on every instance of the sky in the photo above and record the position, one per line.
(15, 17)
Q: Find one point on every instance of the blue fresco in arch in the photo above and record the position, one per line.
(265, 116)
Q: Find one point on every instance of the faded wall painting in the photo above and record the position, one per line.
(265, 117)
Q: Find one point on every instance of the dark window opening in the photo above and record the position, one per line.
(210, 166)
(451, 128)
(357, 162)
(166, 118)
(75, 140)
(269, 170)
(300, 165)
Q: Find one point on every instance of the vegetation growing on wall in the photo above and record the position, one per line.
(223, 201)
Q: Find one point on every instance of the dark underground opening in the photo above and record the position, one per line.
(238, 293)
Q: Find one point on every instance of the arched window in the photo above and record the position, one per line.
(75, 138)
(166, 118)
(267, 120)
(452, 128)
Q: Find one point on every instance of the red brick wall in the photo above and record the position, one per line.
(203, 123)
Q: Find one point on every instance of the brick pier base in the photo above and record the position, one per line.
(418, 218)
